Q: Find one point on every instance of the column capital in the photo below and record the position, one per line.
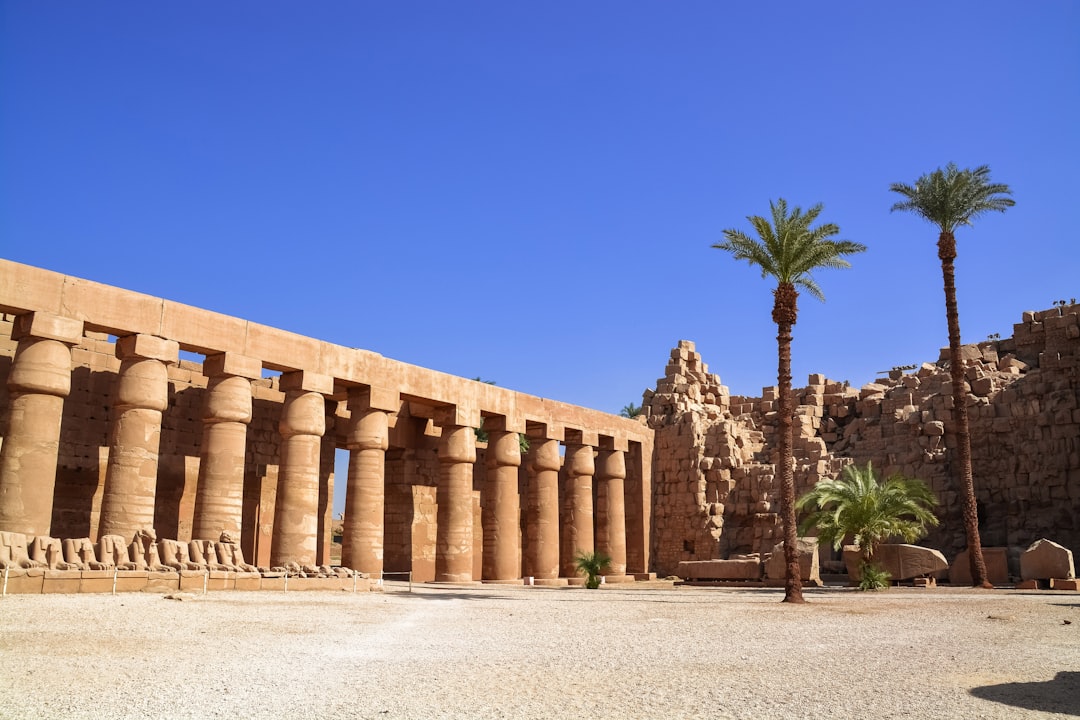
(306, 381)
(373, 397)
(229, 363)
(504, 423)
(460, 415)
(148, 347)
(458, 444)
(47, 327)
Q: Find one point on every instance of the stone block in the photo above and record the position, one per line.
(148, 346)
(1059, 584)
(19, 581)
(61, 581)
(901, 561)
(96, 581)
(1044, 560)
(47, 326)
(247, 581)
(132, 580)
(997, 566)
(776, 567)
(162, 582)
(748, 569)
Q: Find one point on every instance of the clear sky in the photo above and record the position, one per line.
(528, 192)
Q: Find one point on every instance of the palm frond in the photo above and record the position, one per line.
(787, 248)
(949, 197)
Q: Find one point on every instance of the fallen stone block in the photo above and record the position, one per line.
(1044, 560)
(748, 569)
(997, 566)
(901, 561)
(776, 566)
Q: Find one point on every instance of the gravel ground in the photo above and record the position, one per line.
(636, 651)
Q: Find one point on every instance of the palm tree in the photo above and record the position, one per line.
(948, 198)
(788, 249)
(630, 411)
(855, 505)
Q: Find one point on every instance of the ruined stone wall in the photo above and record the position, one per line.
(715, 492)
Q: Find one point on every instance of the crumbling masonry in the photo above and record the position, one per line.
(715, 492)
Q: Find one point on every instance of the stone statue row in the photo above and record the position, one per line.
(144, 553)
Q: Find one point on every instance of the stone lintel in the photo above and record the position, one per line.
(543, 430)
(150, 347)
(47, 327)
(307, 381)
(504, 423)
(232, 364)
(615, 441)
(460, 415)
(575, 436)
(374, 397)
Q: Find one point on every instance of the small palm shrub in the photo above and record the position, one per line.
(872, 577)
(592, 563)
(857, 506)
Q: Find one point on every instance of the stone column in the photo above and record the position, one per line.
(142, 394)
(577, 530)
(219, 499)
(454, 533)
(611, 504)
(296, 508)
(501, 510)
(542, 509)
(38, 382)
(367, 439)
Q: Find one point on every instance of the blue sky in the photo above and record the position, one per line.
(528, 192)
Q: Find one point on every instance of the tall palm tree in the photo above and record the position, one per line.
(856, 505)
(950, 197)
(788, 249)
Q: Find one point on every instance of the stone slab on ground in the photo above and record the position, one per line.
(901, 561)
(1044, 560)
(720, 570)
(997, 566)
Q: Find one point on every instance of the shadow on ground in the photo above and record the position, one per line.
(1060, 695)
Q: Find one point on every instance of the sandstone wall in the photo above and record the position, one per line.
(715, 492)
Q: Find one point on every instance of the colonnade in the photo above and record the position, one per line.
(39, 380)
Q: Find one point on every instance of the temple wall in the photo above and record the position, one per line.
(714, 475)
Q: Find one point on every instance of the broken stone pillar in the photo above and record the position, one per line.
(38, 382)
(542, 508)
(219, 501)
(611, 506)
(501, 513)
(577, 531)
(454, 494)
(142, 394)
(296, 511)
(367, 439)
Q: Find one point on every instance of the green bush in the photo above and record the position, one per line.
(872, 577)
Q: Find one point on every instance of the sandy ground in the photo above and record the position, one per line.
(515, 652)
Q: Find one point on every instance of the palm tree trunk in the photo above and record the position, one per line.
(785, 311)
(947, 253)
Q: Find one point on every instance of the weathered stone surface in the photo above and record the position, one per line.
(997, 566)
(901, 561)
(1044, 560)
(776, 567)
(749, 569)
